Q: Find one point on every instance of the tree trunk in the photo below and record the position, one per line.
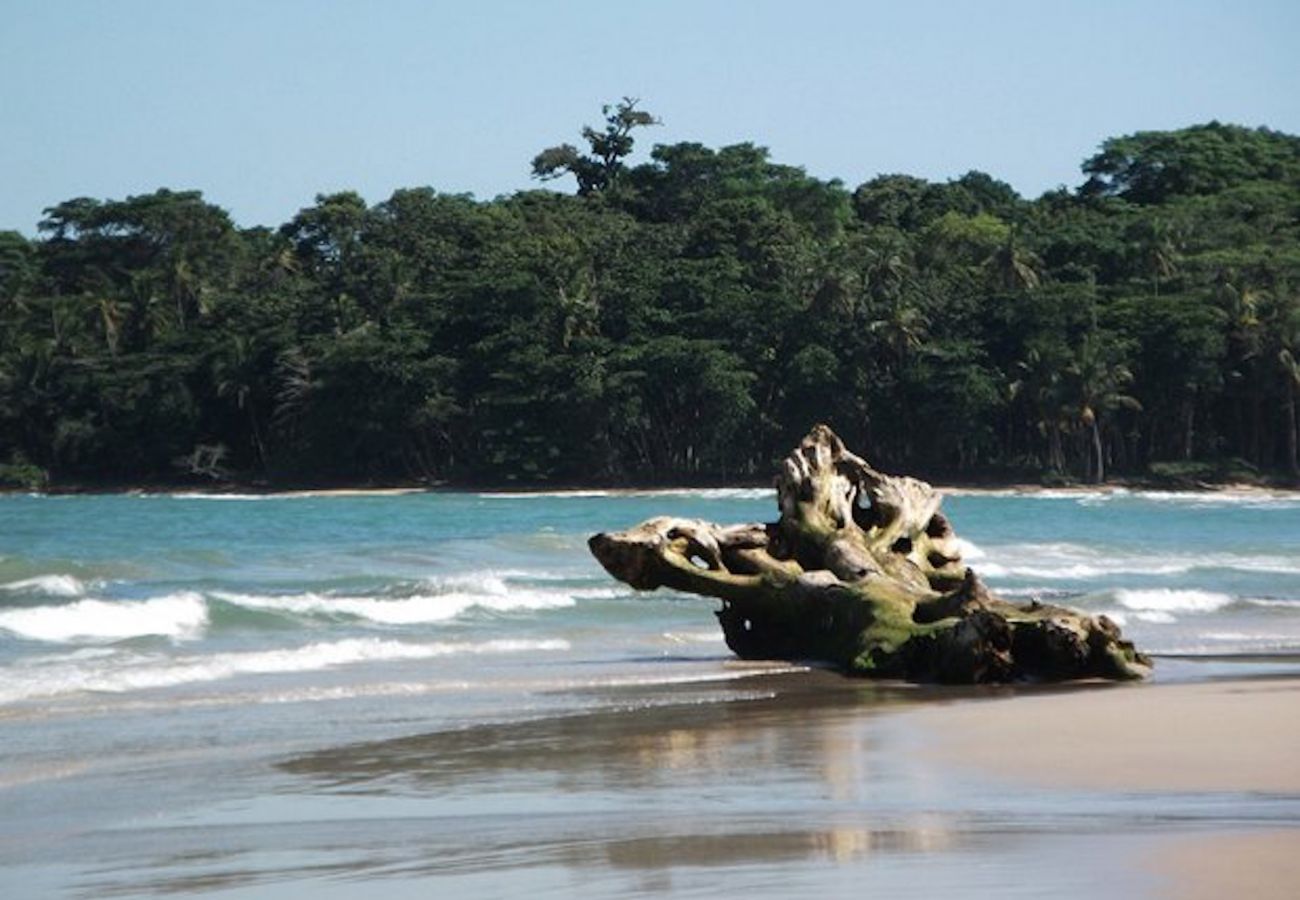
(1100, 471)
(862, 571)
(1293, 465)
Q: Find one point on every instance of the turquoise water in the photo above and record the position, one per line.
(165, 653)
(115, 595)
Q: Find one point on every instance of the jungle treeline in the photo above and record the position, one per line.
(681, 319)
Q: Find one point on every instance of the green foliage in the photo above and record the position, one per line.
(1157, 166)
(19, 473)
(599, 169)
(686, 318)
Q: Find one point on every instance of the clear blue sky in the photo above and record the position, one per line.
(262, 104)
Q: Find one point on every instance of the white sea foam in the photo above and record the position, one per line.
(195, 495)
(497, 583)
(693, 637)
(78, 655)
(1280, 565)
(398, 610)
(287, 495)
(436, 600)
(701, 493)
(1273, 602)
(180, 616)
(143, 672)
(1151, 617)
(541, 495)
(1234, 642)
(1038, 592)
(50, 585)
(1264, 638)
(1222, 498)
(1074, 561)
(1170, 600)
(969, 550)
(1262, 499)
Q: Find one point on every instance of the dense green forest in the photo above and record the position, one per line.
(680, 319)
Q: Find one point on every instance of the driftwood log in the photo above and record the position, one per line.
(862, 571)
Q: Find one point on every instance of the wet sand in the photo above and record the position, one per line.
(1263, 866)
(1239, 735)
(803, 783)
(1207, 739)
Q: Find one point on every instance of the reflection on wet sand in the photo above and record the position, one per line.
(814, 724)
(804, 784)
(708, 780)
(840, 845)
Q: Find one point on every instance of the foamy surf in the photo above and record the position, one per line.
(181, 616)
(430, 601)
(579, 494)
(134, 672)
(49, 585)
(1076, 562)
(713, 636)
(413, 610)
(1170, 600)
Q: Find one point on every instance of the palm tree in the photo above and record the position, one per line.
(236, 376)
(1291, 387)
(1242, 304)
(903, 328)
(1097, 384)
(1014, 267)
(1039, 385)
(1285, 330)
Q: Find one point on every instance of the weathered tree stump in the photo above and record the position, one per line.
(862, 571)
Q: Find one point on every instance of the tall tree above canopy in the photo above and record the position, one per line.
(1155, 166)
(599, 168)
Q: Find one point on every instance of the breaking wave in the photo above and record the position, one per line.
(1168, 600)
(749, 493)
(120, 673)
(187, 615)
(410, 610)
(181, 616)
(50, 585)
(1248, 498)
(1077, 562)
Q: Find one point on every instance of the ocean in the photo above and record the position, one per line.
(236, 694)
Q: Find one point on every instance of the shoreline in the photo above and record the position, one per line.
(1008, 489)
(805, 783)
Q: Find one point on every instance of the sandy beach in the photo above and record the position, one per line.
(799, 782)
(1218, 738)
(1236, 735)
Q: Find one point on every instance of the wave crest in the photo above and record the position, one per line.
(181, 616)
(1171, 600)
(50, 585)
(116, 674)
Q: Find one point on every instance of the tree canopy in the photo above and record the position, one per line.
(684, 318)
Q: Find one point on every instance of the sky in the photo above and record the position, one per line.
(263, 104)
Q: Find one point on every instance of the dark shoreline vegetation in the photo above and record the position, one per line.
(678, 321)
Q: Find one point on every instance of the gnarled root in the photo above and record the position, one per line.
(862, 571)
